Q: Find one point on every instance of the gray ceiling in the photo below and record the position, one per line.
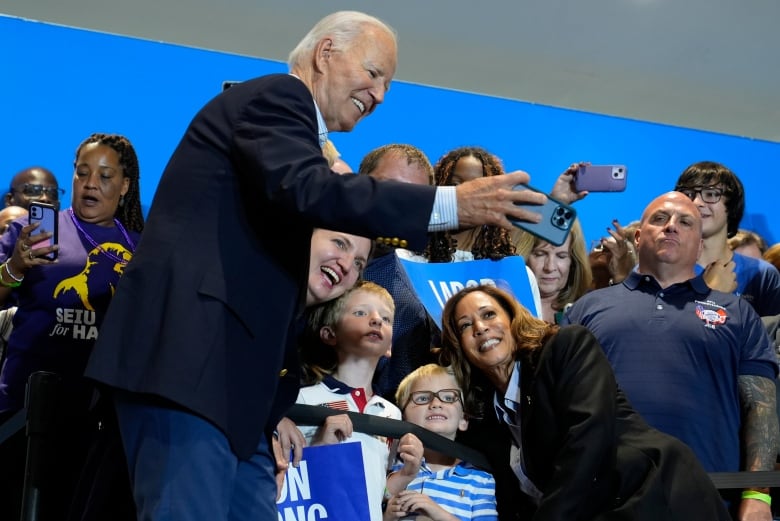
(706, 64)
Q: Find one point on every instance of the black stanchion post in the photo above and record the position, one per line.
(43, 404)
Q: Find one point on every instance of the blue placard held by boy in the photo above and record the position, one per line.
(328, 484)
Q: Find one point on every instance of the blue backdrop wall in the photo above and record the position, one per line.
(60, 84)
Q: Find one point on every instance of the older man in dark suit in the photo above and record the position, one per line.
(199, 343)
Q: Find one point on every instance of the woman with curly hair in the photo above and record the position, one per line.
(62, 302)
(564, 434)
(487, 242)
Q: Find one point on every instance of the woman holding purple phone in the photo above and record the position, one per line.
(62, 292)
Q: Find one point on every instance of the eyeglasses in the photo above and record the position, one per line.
(444, 396)
(708, 195)
(34, 191)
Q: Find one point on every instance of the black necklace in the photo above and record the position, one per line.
(94, 243)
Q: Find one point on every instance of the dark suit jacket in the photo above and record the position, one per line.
(206, 314)
(590, 454)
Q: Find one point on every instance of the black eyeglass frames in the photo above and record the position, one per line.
(708, 194)
(35, 191)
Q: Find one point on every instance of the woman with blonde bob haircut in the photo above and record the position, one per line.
(583, 452)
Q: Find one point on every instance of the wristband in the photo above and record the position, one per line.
(16, 281)
(14, 277)
(753, 494)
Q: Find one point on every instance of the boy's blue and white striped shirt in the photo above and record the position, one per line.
(463, 490)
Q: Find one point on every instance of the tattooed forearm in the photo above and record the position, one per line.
(760, 433)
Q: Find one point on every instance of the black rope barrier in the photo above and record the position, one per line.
(316, 414)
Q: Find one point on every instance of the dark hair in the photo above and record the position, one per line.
(528, 332)
(413, 155)
(129, 213)
(710, 173)
(490, 242)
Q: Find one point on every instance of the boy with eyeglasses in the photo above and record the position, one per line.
(34, 184)
(444, 488)
(720, 197)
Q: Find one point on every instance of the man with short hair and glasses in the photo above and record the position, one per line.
(718, 194)
(34, 184)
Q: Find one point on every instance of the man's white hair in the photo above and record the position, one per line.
(342, 27)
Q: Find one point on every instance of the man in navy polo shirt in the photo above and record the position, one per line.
(695, 362)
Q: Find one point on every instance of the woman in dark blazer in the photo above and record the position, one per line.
(578, 449)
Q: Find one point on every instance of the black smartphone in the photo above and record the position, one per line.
(601, 178)
(557, 219)
(46, 215)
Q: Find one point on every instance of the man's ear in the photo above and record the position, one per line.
(8, 197)
(322, 54)
(327, 335)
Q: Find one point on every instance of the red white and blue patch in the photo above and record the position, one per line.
(339, 405)
(711, 314)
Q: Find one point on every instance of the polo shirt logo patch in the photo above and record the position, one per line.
(340, 405)
(711, 317)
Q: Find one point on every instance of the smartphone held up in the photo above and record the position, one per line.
(46, 216)
(601, 178)
(557, 219)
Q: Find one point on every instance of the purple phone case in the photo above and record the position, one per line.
(601, 178)
(46, 215)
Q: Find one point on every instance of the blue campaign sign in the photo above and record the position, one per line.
(328, 484)
(435, 283)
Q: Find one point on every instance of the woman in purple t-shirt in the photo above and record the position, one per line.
(61, 302)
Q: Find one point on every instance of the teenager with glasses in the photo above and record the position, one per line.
(444, 488)
(34, 184)
(720, 197)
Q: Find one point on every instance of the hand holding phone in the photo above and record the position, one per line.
(46, 216)
(601, 178)
(557, 219)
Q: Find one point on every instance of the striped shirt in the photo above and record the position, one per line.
(463, 490)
